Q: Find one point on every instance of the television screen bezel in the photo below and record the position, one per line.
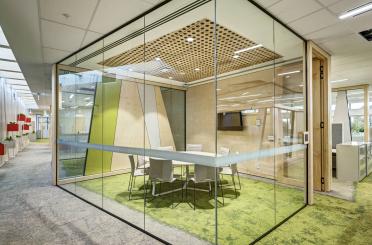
(232, 128)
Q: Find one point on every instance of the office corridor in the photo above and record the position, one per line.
(32, 211)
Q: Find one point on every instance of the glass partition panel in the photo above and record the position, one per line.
(290, 121)
(124, 187)
(246, 120)
(179, 47)
(355, 99)
(188, 122)
(70, 159)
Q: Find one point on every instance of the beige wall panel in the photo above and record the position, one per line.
(165, 132)
(130, 116)
(201, 116)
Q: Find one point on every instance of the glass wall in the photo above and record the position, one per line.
(188, 122)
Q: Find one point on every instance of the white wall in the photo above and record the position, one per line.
(10, 106)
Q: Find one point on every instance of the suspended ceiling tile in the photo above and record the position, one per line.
(11, 66)
(60, 36)
(345, 5)
(337, 30)
(6, 53)
(314, 22)
(289, 10)
(55, 10)
(16, 82)
(3, 40)
(267, 3)
(361, 22)
(90, 37)
(328, 2)
(347, 45)
(7, 74)
(113, 13)
(51, 56)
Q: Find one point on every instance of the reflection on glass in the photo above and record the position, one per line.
(157, 119)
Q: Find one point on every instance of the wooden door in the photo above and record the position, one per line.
(317, 124)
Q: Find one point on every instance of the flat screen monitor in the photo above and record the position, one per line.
(231, 121)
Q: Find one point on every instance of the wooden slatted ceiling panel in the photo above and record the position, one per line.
(179, 58)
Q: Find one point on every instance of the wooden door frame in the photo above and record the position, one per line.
(314, 51)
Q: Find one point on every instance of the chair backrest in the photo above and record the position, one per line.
(234, 168)
(165, 148)
(132, 164)
(141, 161)
(224, 151)
(194, 147)
(161, 169)
(204, 173)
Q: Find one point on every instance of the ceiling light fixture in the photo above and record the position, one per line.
(247, 49)
(341, 80)
(245, 93)
(164, 70)
(189, 39)
(197, 69)
(356, 11)
(170, 77)
(157, 59)
(71, 96)
(236, 56)
(287, 73)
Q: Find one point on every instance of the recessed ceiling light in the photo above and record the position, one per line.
(170, 77)
(235, 56)
(189, 39)
(157, 59)
(71, 96)
(356, 11)
(197, 69)
(287, 73)
(245, 93)
(249, 48)
(341, 80)
(218, 89)
(130, 69)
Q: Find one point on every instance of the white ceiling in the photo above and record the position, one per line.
(49, 30)
(317, 20)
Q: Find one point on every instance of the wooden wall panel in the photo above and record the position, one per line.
(130, 124)
(165, 132)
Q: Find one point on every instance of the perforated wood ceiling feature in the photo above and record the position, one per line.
(190, 61)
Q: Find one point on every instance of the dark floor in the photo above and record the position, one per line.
(32, 211)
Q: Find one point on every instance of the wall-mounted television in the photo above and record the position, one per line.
(230, 121)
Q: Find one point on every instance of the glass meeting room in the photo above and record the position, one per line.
(188, 122)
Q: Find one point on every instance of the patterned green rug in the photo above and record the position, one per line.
(330, 221)
(240, 221)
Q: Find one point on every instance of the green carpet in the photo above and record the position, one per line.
(241, 220)
(103, 126)
(330, 221)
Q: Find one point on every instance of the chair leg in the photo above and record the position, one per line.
(223, 199)
(240, 187)
(131, 187)
(194, 195)
(130, 179)
(233, 180)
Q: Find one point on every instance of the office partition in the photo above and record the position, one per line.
(188, 122)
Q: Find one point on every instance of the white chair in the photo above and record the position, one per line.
(231, 169)
(134, 172)
(194, 147)
(161, 171)
(205, 174)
